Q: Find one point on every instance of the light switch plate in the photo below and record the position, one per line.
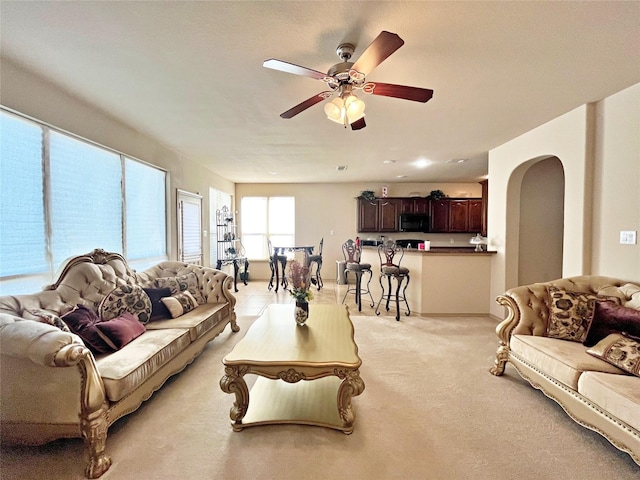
(628, 237)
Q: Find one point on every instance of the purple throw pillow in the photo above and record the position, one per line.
(121, 330)
(611, 318)
(82, 321)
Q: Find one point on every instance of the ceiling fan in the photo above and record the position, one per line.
(345, 77)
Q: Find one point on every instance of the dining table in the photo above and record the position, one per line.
(284, 249)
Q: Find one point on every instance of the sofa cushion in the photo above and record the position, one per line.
(125, 370)
(562, 360)
(198, 321)
(619, 350)
(610, 318)
(179, 284)
(126, 298)
(121, 330)
(180, 303)
(617, 394)
(158, 309)
(82, 321)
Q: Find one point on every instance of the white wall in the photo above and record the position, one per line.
(600, 152)
(616, 190)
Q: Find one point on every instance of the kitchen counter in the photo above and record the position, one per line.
(440, 250)
(444, 280)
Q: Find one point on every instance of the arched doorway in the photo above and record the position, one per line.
(541, 229)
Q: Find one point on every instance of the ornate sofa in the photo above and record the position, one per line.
(566, 360)
(54, 386)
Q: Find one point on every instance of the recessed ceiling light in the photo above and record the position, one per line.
(273, 173)
(401, 176)
(422, 163)
(457, 160)
(341, 168)
(389, 162)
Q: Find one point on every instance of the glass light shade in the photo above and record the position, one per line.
(354, 107)
(335, 110)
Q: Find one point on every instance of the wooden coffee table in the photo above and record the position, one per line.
(306, 375)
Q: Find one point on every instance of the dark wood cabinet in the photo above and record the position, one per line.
(476, 217)
(447, 215)
(457, 215)
(388, 215)
(379, 215)
(414, 205)
(439, 216)
(368, 215)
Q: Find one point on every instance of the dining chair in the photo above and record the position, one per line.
(274, 259)
(316, 259)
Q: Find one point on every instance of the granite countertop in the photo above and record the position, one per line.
(442, 250)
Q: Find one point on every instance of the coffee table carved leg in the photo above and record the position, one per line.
(351, 386)
(232, 382)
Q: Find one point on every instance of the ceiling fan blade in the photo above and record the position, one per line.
(291, 68)
(358, 124)
(310, 102)
(384, 45)
(415, 94)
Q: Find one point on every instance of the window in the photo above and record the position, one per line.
(266, 217)
(189, 227)
(61, 196)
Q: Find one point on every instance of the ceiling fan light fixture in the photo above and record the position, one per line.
(354, 107)
(344, 110)
(335, 110)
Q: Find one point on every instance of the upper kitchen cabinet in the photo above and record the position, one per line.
(457, 215)
(379, 215)
(439, 213)
(414, 205)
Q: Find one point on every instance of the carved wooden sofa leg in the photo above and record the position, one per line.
(503, 330)
(502, 355)
(93, 407)
(94, 432)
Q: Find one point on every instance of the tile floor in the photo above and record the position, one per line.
(255, 296)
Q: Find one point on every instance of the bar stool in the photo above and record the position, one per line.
(387, 251)
(352, 252)
(316, 259)
(273, 259)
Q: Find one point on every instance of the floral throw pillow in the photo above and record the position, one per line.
(571, 313)
(187, 282)
(127, 298)
(620, 350)
(180, 304)
(45, 316)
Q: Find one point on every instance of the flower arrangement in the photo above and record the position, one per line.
(300, 282)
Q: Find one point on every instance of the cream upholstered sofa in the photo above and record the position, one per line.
(595, 393)
(53, 386)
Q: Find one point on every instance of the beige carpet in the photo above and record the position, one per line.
(430, 410)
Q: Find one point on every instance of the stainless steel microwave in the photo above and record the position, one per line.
(413, 222)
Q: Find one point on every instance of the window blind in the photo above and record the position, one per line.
(23, 248)
(146, 213)
(86, 198)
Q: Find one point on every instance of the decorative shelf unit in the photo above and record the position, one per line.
(230, 250)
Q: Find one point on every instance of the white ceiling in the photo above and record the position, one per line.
(190, 75)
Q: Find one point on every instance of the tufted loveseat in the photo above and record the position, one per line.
(595, 393)
(53, 386)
